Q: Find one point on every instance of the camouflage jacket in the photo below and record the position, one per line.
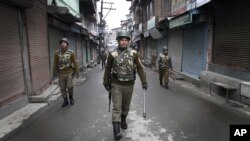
(164, 61)
(64, 62)
(122, 66)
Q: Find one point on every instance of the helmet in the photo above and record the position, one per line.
(165, 48)
(64, 40)
(123, 33)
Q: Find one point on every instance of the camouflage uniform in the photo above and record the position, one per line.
(64, 62)
(164, 64)
(121, 65)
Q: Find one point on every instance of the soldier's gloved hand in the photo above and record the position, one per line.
(107, 87)
(77, 75)
(145, 86)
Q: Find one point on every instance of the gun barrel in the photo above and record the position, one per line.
(144, 104)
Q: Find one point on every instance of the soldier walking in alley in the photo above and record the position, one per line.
(103, 59)
(121, 67)
(65, 66)
(164, 63)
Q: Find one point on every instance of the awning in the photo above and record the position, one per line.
(155, 33)
(137, 38)
(146, 34)
(62, 13)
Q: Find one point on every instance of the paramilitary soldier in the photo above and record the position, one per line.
(121, 65)
(64, 65)
(164, 64)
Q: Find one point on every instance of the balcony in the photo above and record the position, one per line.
(66, 12)
(89, 6)
(63, 14)
(19, 3)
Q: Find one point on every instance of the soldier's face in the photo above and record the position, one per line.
(64, 45)
(165, 51)
(123, 42)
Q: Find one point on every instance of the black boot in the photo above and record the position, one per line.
(71, 100)
(161, 83)
(66, 102)
(116, 130)
(166, 85)
(123, 122)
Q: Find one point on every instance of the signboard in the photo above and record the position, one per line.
(140, 27)
(146, 34)
(245, 89)
(178, 7)
(182, 20)
(155, 34)
(151, 23)
(201, 2)
(93, 32)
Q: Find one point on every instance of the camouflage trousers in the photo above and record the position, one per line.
(121, 98)
(66, 84)
(164, 74)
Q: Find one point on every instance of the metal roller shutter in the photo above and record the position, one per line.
(160, 43)
(54, 37)
(72, 40)
(11, 67)
(231, 34)
(84, 51)
(175, 48)
(194, 47)
(79, 49)
(38, 45)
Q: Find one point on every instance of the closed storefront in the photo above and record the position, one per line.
(175, 48)
(154, 51)
(88, 51)
(72, 40)
(79, 49)
(12, 83)
(36, 21)
(194, 50)
(160, 44)
(231, 48)
(148, 49)
(55, 36)
(84, 51)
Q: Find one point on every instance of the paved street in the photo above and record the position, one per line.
(177, 114)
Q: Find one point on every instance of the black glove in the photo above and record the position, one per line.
(107, 87)
(145, 86)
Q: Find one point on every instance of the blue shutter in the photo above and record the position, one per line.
(194, 50)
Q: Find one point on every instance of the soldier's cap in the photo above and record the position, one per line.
(64, 40)
(122, 34)
(164, 48)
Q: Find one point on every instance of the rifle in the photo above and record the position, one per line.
(144, 101)
(109, 99)
(110, 79)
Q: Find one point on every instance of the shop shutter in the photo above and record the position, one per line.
(11, 67)
(55, 36)
(175, 48)
(72, 40)
(79, 49)
(160, 44)
(231, 34)
(88, 51)
(84, 52)
(194, 47)
(36, 20)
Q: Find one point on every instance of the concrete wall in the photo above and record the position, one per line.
(208, 76)
(244, 75)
